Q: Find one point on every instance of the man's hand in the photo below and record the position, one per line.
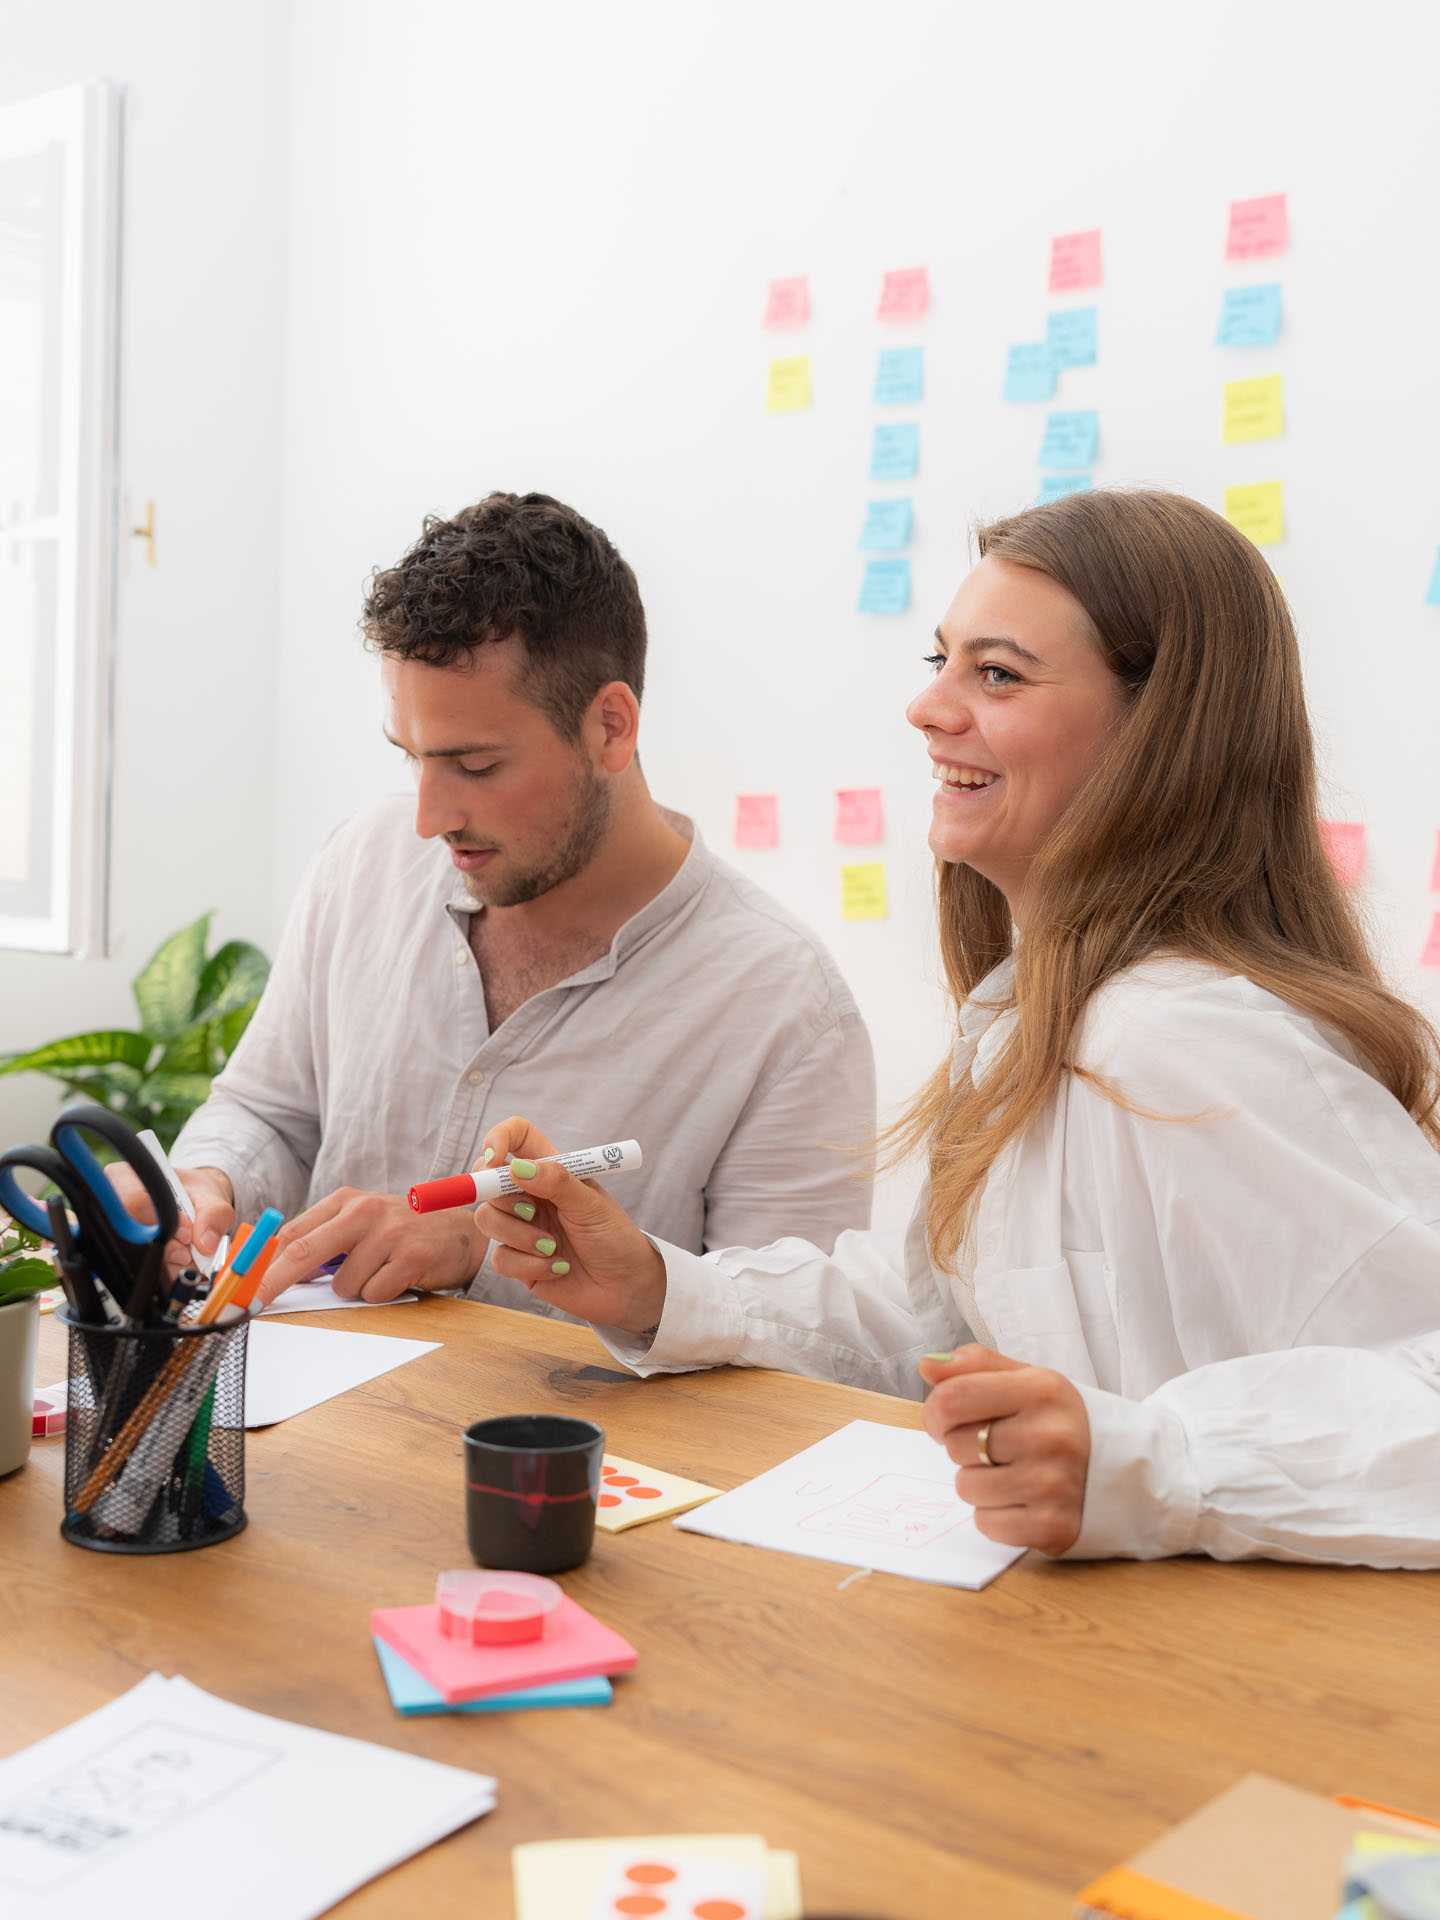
(1039, 1441)
(211, 1196)
(387, 1248)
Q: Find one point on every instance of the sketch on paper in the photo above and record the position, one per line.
(894, 1509)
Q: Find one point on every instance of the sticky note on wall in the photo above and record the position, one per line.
(1029, 371)
(757, 820)
(862, 893)
(859, 817)
(1071, 440)
(788, 304)
(1072, 336)
(1075, 261)
(885, 587)
(1253, 410)
(1258, 228)
(1435, 869)
(1430, 952)
(904, 295)
(887, 525)
(1257, 511)
(899, 376)
(895, 451)
(1432, 596)
(1344, 844)
(788, 387)
(1249, 316)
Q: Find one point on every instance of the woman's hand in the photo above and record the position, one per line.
(1039, 1441)
(566, 1239)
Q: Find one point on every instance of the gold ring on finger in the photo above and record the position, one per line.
(982, 1444)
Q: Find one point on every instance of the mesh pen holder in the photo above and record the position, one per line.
(155, 1436)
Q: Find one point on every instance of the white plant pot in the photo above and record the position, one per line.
(19, 1324)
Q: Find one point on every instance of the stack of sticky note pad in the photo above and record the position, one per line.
(670, 1876)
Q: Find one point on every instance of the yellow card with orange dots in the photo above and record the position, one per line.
(631, 1494)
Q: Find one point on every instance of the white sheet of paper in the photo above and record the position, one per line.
(171, 1803)
(291, 1368)
(866, 1496)
(319, 1296)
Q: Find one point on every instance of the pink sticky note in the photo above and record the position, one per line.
(1344, 843)
(1257, 228)
(1075, 261)
(1430, 952)
(757, 820)
(859, 817)
(905, 294)
(789, 303)
(574, 1645)
(1435, 870)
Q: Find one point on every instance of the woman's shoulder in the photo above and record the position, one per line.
(1173, 1001)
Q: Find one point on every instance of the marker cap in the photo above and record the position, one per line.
(432, 1196)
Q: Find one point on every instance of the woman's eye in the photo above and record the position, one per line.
(935, 660)
(1006, 679)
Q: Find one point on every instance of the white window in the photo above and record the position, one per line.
(59, 176)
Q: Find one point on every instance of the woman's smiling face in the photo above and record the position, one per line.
(1014, 719)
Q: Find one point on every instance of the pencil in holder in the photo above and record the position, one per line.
(155, 1436)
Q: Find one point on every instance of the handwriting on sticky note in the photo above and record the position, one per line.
(1258, 511)
(788, 303)
(862, 892)
(1075, 261)
(1430, 952)
(1072, 336)
(904, 295)
(1055, 486)
(1071, 439)
(1344, 844)
(887, 525)
(1257, 228)
(757, 820)
(899, 376)
(1029, 371)
(1252, 410)
(895, 451)
(859, 817)
(885, 587)
(1432, 595)
(1249, 316)
(788, 387)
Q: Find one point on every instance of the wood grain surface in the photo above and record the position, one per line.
(929, 1754)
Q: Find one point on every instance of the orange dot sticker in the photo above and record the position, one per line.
(719, 1910)
(609, 1499)
(649, 1873)
(621, 1480)
(644, 1493)
(640, 1904)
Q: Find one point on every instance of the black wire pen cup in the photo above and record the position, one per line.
(154, 1436)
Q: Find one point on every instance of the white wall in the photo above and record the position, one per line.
(530, 247)
(205, 204)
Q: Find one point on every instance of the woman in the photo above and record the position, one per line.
(1184, 1193)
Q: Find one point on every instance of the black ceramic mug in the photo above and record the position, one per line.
(531, 1485)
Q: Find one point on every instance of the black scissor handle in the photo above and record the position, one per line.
(109, 1127)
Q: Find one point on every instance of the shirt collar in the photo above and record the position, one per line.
(987, 999)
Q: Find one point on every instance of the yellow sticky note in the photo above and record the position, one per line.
(568, 1876)
(631, 1494)
(862, 892)
(1254, 410)
(788, 390)
(1258, 511)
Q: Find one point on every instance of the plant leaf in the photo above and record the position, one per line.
(166, 986)
(188, 1090)
(25, 1277)
(233, 977)
(113, 1086)
(233, 1025)
(100, 1049)
(189, 1053)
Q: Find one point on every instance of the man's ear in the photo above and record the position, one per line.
(612, 726)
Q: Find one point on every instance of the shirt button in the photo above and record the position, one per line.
(476, 1079)
(461, 958)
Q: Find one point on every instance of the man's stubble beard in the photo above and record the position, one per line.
(585, 832)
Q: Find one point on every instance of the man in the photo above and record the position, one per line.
(553, 943)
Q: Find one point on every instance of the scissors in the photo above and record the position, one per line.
(105, 1243)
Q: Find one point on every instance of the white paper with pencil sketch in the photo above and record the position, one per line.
(866, 1496)
(172, 1804)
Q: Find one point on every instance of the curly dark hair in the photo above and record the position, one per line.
(516, 563)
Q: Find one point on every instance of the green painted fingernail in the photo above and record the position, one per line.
(525, 1209)
(939, 1356)
(523, 1169)
(560, 1266)
(487, 1156)
(546, 1246)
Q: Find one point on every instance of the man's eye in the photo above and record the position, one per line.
(935, 660)
(479, 773)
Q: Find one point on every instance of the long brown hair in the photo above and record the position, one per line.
(1196, 834)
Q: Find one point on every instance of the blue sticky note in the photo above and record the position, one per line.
(1432, 598)
(411, 1693)
(1055, 486)
(886, 586)
(1071, 440)
(895, 453)
(1249, 316)
(1071, 336)
(887, 524)
(899, 376)
(1030, 371)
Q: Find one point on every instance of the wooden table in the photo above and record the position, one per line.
(929, 1754)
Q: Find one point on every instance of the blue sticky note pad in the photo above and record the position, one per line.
(1432, 598)
(887, 524)
(886, 586)
(1249, 316)
(899, 376)
(895, 452)
(1071, 336)
(411, 1693)
(1071, 440)
(1030, 371)
(1055, 486)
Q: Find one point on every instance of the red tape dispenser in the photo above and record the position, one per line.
(489, 1609)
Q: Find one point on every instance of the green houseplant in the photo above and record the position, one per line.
(24, 1276)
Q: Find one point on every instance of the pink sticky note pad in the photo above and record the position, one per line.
(788, 304)
(574, 1646)
(905, 294)
(1257, 228)
(1344, 844)
(1435, 870)
(1430, 952)
(757, 820)
(1075, 261)
(859, 817)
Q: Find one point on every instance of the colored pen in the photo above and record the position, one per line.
(150, 1140)
(469, 1189)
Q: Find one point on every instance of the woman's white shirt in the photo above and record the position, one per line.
(1245, 1289)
